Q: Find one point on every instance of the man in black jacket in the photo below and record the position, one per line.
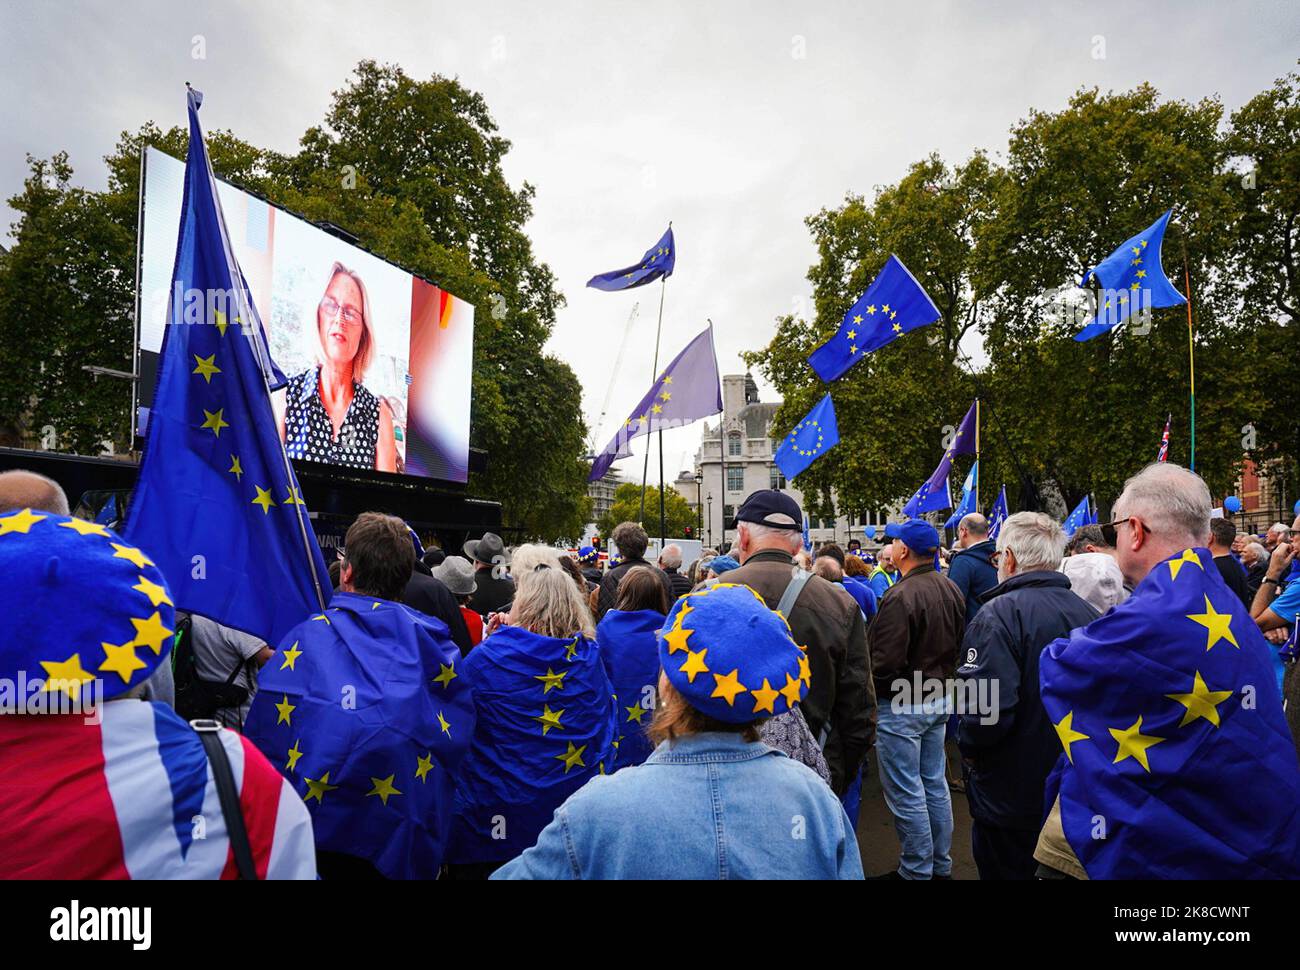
(631, 541)
(432, 597)
(493, 589)
(670, 561)
(1009, 745)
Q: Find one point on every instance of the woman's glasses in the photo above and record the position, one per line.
(351, 315)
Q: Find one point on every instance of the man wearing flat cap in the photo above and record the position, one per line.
(841, 704)
(914, 641)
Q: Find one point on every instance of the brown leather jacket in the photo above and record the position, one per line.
(918, 626)
(827, 621)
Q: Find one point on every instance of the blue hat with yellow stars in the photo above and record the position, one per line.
(731, 657)
(588, 554)
(78, 604)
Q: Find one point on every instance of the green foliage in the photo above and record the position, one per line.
(678, 515)
(413, 169)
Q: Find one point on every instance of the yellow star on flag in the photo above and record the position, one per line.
(150, 633)
(1188, 556)
(423, 765)
(898, 328)
(765, 697)
(1068, 735)
(235, 468)
(636, 712)
(206, 368)
(885, 308)
(82, 527)
(285, 709)
(1133, 744)
(219, 319)
(121, 660)
(263, 499)
(383, 788)
(550, 680)
(67, 676)
(445, 676)
(295, 496)
(549, 719)
(871, 310)
(1218, 626)
(1201, 702)
(694, 664)
(728, 686)
(572, 757)
(317, 789)
(852, 335)
(291, 657)
(214, 421)
(131, 555)
(444, 724)
(294, 754)
(157, 594)
(571, 650)
(19, 522)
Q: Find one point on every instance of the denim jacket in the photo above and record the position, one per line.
(707, 806)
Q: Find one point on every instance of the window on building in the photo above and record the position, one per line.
(727, 512)
(735, 479)
(733, 445)
(774, 478)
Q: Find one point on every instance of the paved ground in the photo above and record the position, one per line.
(879, 843)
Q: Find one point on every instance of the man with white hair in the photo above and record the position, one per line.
(840, 706)
(1178, 762)
(670, 561)
(1277, 532)
(1008, 745)
(972, 567)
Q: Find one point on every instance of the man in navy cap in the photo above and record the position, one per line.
(841, 703)
(914, 641)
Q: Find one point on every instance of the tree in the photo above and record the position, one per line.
(678, 515)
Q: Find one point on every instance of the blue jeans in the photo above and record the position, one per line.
(909, 746)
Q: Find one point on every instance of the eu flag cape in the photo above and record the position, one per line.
(808, 440)
(893, 305)
(1178, 763)
(688, 389)
(629, 649)
(364, 710)
(1131, 279)
(217, 505)
(657, 262)
(545, 727)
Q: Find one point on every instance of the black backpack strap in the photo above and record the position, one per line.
(209, 733)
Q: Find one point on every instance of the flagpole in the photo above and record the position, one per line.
(654, 376)
(977, 454)
(1191, 354)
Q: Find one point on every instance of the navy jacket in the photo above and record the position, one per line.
(1009, 759)
(973, 571)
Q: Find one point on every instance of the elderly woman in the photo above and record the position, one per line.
(325, 413)
(691, 811)
(544, 724)
(628, 636)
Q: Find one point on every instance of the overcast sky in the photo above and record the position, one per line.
(734, 120)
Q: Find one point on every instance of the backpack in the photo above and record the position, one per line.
(196, 698)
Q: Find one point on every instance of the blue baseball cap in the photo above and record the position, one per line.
(917, 534)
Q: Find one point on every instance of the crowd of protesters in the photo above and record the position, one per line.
(753, 685)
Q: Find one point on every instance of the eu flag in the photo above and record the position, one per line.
(967, 504)
(546, 726)
(1178, 762)
(998, 514)
(934, 493)
(688, 389)
(809, 439)
(892, 305)
(1082, 515)
(657, 262)
(1131, 279)
(364, 709)
(217, 504)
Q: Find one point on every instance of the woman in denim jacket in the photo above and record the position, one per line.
(711, 801)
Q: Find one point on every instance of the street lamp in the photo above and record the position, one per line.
(709, 499)
(699, 506)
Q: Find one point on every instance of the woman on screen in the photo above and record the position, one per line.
(325, 413)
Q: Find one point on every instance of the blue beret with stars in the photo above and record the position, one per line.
(588, 554)
(79, 603)
(731, 657)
